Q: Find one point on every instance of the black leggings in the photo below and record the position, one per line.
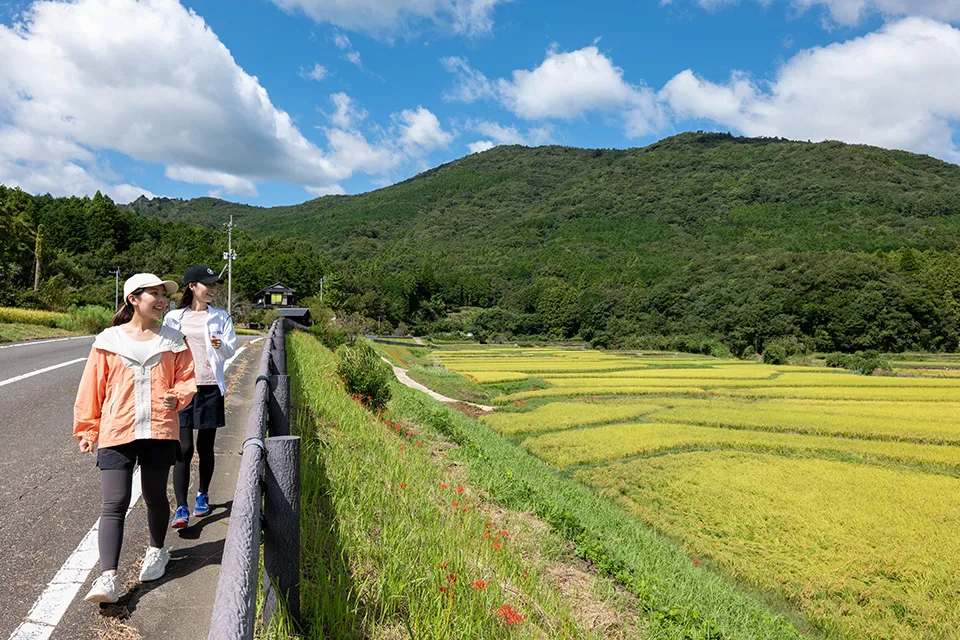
(181, 471)
(117, 487)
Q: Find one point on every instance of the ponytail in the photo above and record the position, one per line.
(187, 298)
(125, 313)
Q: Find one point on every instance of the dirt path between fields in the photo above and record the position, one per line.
(413, 384)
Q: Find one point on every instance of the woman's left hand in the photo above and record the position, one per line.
(169, 402)
(216, 342)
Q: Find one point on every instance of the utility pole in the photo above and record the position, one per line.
(230, 255)
(116, 287)
(321, 291)
(37, 252)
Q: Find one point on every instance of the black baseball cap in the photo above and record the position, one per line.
(200, 273)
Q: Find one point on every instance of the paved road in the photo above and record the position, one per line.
(49, 492)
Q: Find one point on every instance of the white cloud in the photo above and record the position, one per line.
(894, 88)
(318, 73)
(230, 183)
(471, 85)
(481, 145)
(384, 17)
(148, 79)
(334, 190)
(351, 55)
(420, 131)
(566, 85)
(346, 114)
(851, 12)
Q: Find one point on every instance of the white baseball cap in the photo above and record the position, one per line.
(144, 280)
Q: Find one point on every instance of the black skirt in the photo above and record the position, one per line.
(205, 411)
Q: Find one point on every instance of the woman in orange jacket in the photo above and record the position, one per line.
(138, 376)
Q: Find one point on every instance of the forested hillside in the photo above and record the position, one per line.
(823, 245)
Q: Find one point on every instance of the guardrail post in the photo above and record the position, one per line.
(279, 406)
(278, 351)
(281, 543)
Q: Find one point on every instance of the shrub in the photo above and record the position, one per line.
(364, 374)
(331, 336)
(87, 320)
(869, 362)
(774, 353)
(836, 359)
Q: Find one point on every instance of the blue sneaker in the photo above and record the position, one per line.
(202, 507)
(181, 518)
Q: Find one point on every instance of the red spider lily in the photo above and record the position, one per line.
(459, 488)
(403, 447)
(504, 533)
(695, 562)
(443, 486)
(496, 546)
(509, 615)
(409, 432)
(479, 584)
(489, 525)
(454, 504)
(444, 589)
(419, 443)
(464, 508)
(452, 578)
(443, 565)
(403, 485)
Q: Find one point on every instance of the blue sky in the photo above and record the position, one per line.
(278, 101)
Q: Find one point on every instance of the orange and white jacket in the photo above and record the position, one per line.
(121, 399)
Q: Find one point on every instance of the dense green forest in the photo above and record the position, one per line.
(81, 240)
(700, 241)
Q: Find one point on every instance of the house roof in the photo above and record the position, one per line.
(293, 312)
(276, 288)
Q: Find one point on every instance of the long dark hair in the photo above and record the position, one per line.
(125, 313)
(187, 298)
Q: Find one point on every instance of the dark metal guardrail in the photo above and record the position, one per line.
(266, 506)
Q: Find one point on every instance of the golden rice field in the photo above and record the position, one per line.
(834, 492)
(563, 415)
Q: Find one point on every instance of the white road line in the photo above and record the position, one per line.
(67, 582)
(33, 342)
(59, 593)
(226, 365)
(3, 383)
(256, 340)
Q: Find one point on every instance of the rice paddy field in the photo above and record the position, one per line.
(834, 494)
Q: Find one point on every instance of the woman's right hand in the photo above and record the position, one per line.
(85, 446)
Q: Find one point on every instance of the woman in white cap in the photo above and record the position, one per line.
(138, 376)
(210, 331)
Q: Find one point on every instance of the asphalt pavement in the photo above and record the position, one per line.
(50, 493)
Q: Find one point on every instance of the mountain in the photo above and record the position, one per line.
(622, 232)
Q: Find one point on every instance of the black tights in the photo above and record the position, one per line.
(181, 471)
(117, 487)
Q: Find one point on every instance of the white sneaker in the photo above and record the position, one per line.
(106, 589)
(154, 564)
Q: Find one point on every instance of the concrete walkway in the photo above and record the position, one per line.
(179, 605)
(413, 384)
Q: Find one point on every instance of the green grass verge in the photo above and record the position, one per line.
(680, 599)
(18, 332)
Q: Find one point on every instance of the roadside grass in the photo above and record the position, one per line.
(18, 332)
(586, 446)
(396, 543)
(863, 550)
(677, 597)
(450, 383)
